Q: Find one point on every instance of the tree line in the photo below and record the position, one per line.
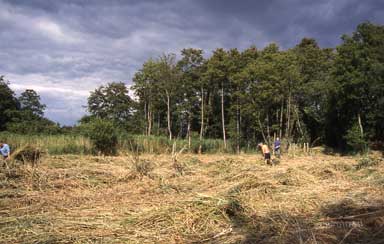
(23, 114)
(332, 96)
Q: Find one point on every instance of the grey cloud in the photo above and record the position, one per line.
(67, 48)
(288, 21)
(64, 109)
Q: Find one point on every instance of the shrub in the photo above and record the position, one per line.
(355, 141)
(142, 167)
(366, 162)
(103, 136)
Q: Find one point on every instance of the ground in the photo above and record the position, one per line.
(193, 199)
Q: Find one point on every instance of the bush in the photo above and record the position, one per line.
(142, 168)
(366, 162)
(103, 136)
(355, 141)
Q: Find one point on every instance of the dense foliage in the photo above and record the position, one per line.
(103, 135)
(303, 94)
(23, 114)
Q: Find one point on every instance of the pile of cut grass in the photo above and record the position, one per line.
(222, 199)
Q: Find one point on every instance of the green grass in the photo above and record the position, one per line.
(161, 144)
(80, 145)
(53, 144)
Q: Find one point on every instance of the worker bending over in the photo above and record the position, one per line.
(266, 153)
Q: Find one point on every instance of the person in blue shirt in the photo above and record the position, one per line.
(5, 151)
(276, 147)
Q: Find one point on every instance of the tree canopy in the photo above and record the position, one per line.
(306, 93)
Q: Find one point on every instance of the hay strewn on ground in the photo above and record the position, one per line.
(216, 199)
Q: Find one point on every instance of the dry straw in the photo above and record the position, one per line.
(217, 199)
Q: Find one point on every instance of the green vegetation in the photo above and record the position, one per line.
(82, 145)
(103, 135)
(305, 94)
(53, 144)
(367, 161)
(355, 140)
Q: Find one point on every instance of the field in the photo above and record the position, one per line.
(217, 198)
(77, 144)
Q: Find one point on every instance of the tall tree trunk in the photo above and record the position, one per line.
(360, 125)
(146, 119)
(210, 97)
(169, 115)
(202, 121)
(149, 117)
(222, 115)
(261, 129)
(275, 132)
(152, 120)
(238, 126)
(287, 132)
(268, 132)
(298, 121)
(180, 134)
(189, 131)
(281, 119)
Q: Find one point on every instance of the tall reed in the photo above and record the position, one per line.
(78, 144)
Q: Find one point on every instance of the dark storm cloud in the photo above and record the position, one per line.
(64, 49)
(288, 21)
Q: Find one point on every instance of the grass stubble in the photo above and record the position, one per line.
(216, 199)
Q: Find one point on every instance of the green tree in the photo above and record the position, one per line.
(191, 88)
(271, 95)
(243, 127)
(304, 94)
(359, 76)
(169, 85)
(38, 125)
(238, 87)
(315, 68)
(30, 101)
(103, 135)
(218, 74)
(146, 87)
(28, 117)
(264, 81)
(8, 102)
(111, 102)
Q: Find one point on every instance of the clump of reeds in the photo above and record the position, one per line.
(79, 144)
(53, 144)
(143, 167)
(294, 177)
(180, 167)
(28, 154)
(140, 167)
(366, 162)
(251, 182)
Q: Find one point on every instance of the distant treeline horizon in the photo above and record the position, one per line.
(305, 94)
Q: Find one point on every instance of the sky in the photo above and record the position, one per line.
(63, 49)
